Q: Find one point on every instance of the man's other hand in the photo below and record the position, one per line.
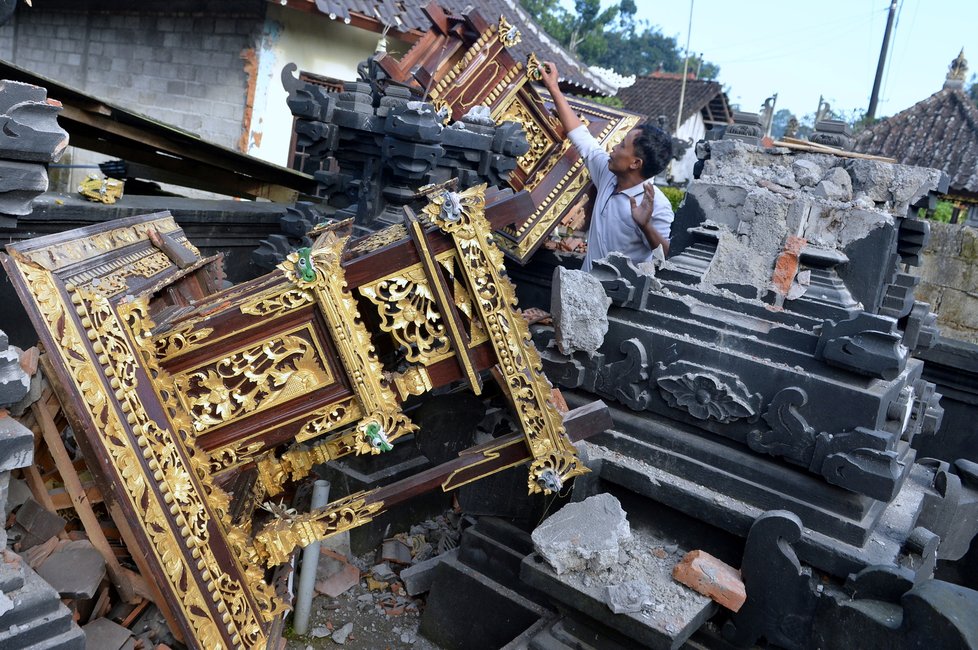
(642, 212)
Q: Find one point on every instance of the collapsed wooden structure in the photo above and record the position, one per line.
(195, 403)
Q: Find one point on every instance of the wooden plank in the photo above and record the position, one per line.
(814, 147)
(80, 502)
(62, 499)
(146, 588)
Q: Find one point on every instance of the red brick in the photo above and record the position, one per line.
(28, 360)
(787, 264)
(704, 573)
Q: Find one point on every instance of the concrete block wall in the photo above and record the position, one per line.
(184, 69)
(949, 279)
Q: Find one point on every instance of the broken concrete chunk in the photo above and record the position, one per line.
(583, 536)
(340, 636)
(836, 185)
(711, 577)
(807, 173)
(75, 570)
(630, 596)
(580, 311)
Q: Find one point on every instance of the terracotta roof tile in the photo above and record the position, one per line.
(940, 132)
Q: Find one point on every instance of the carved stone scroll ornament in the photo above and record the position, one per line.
(625, 380)
(861, 460)
(867, 344)
(781, 596)
(789, 435)
(461, 215)
(706, 393)
(623, 282)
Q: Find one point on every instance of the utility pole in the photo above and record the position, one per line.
(682, 88)
(874, 98)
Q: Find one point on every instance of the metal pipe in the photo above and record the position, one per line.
(310, 562)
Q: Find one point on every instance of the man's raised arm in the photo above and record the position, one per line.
(568, 118)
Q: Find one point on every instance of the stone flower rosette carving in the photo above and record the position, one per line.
(706, 393)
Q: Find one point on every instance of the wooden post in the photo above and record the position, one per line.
(79, 500)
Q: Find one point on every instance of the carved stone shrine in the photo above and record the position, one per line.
(767, 367)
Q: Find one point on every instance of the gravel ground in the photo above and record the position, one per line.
(375, 613)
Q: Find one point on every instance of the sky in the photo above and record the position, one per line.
(802, 49)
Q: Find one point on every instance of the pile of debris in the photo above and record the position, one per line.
(67, 564)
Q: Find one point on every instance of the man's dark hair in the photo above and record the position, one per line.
(654, 147)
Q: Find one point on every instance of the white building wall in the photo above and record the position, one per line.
(315, 44)
(692, 130)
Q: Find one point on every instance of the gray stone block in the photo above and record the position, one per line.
(583, 535)
(418, 578)
(16, 445)
(75, 570)
(836, 185)
(105, 635)
(807, 173)
(580, 311)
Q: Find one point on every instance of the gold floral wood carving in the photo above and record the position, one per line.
(408, 312)
(253, 379)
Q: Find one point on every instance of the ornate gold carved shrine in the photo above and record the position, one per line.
(176, 386)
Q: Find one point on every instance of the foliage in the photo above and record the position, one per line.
(941, 213)
(675, 196)
(614, 102)
(614, 38)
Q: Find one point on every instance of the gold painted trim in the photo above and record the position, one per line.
(462, 216)
(217, 609)
(441, 298)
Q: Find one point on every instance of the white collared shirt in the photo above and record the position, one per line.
(612, 227)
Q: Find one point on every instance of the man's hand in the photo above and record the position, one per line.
(642, 215)
(548, 76)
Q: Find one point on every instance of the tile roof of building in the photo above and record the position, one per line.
(658, 94)
(940, 132)
(573, 72)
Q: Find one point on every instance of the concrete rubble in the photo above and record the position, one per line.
(583, 536)
(580, 311)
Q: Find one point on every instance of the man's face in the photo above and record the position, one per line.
(623, 158)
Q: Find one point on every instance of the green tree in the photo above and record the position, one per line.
(614, 38)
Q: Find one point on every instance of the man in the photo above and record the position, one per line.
(618, 221)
